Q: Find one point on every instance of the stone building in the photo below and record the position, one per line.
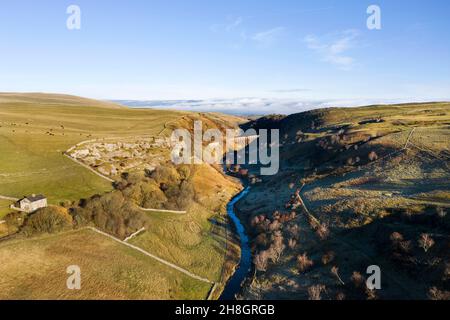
(32, 203)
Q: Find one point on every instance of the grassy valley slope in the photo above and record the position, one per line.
(36, 130)
(357, 187)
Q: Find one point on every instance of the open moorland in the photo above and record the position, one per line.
(357, 187)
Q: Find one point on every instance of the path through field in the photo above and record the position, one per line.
(167, 263)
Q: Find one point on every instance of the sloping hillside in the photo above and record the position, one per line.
(21, 99)
(357, 187)
(35, 134)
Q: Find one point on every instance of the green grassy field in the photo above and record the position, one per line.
(4, 207)
(109, 270)
(191, 240)
(181, 239)
(36, 129)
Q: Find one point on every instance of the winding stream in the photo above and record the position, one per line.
(234, 284)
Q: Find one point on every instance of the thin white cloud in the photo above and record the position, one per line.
(334, 49)
(234, 23)
(295, 90)
(268, 37)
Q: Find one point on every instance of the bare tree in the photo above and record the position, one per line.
(304, 263)
(357, 279)
(425, 242)
(396, 239)
(335, 272)
(340, 296)
(277, 245)
(294, 230)
(292, 243)
(323, 231)
(261, 261)
(275, 225)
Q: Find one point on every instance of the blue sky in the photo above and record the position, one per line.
(199, 49)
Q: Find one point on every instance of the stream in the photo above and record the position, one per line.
(234, 284)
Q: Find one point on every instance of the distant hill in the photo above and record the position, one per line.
(54, 99)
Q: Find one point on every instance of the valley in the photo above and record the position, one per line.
(357, 187)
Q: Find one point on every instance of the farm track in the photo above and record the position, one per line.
(8, 198)
(167, 263)
(163, 211)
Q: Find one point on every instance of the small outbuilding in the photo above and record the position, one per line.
(32, 203)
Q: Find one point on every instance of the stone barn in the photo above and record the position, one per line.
(32, 203)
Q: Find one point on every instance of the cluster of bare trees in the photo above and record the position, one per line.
(272, 254)
(112, 213)
(273, 235)
(424, 242)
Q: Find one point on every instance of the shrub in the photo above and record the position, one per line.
(405, 246)
(164, 174)
(357, 279)
(436, 294)
(328, 257)
(373, 156)
(315, 292)
(15, 219)
(371, 294)
(184, 171)
(48, 220)
(440, 212)
(396, 237)
(446, 275)
(340, 296)
(304, 263)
